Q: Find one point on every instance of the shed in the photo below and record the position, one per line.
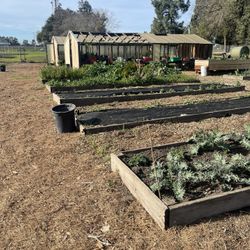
(86, 47)
(55, 50)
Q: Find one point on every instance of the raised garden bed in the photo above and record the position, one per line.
(236, 78)
(223, 65)
(83, 98)
(108, 120)
(56, 89)
(175, 188)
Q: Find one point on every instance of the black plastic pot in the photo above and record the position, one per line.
(2, 68)
(65, 117)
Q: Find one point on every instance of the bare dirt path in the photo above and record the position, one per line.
(57, 191)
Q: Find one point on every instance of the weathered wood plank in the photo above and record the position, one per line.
(192, 211)
(236, 78)
(58, 98)
(223, 64)
(153, 205)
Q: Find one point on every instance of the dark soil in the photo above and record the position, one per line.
(193, 192)
(122, 116)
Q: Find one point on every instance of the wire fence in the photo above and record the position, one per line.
(22, 54)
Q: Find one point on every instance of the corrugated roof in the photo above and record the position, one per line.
(59, 39)
(175, 39)
(88, 37)
(143, 38)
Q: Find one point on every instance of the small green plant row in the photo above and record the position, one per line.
(181, 172)
(118, 74)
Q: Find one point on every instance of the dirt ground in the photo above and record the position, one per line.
(58, 192)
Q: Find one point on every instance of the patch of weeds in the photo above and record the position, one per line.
(102, 150)
(138, 160)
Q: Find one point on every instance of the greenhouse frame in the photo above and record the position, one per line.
(86, 47)
(55, 50)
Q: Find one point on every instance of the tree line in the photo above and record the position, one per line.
(216, 20)
(222, 21)
(13, 41)
(85, 18)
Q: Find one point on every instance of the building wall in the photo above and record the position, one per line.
(75, 53)
(67, 50)
(197, 51)
(50, 53)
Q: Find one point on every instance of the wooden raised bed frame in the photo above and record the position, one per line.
(108, 99)
(223, 65)
(236, 78)
(53, 89)
(180, 213)
(173, 119)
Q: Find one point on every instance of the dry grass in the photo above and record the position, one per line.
(56, 190)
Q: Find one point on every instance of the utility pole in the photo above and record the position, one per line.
(55, 4)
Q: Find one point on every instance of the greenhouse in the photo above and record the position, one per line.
(85, 47)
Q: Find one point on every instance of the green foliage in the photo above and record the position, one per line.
(84, 7)
(182, 173)
(85, 19)
(224, 21)
(117, 74)
(167, 16)
(211, 140)
(138, 160)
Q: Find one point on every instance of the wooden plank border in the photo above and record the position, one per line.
(236, 78)
(109, 99)
(54, 89)
(173, 119)
(153, 205)
(180, 213)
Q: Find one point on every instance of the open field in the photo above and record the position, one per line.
(58, 191)
(31, 55)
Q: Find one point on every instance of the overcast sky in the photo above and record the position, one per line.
(23, 18)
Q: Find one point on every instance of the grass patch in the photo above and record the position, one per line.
(30, 56)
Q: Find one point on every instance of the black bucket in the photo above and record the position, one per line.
(65, 117)
(2, 68)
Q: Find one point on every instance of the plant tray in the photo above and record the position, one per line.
(117, 119)
(82, 98)
(172, 214)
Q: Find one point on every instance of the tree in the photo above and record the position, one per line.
(222, 21)
(167, 16)
(242, 11)
(9, 39)
(84, 7)
(26, 43)
(65, 19)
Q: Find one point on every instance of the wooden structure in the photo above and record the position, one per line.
(223, 65)
(179, 45)
(168, 213)
(55, 50)
(85, 47)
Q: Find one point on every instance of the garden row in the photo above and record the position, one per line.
(178, 183)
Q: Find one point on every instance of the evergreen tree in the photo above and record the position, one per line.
(222, 21)
(65, 19)
(84, 7)
(167, 16)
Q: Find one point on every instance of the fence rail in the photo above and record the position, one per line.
(22, 54)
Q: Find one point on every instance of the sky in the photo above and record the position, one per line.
(24, 18)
